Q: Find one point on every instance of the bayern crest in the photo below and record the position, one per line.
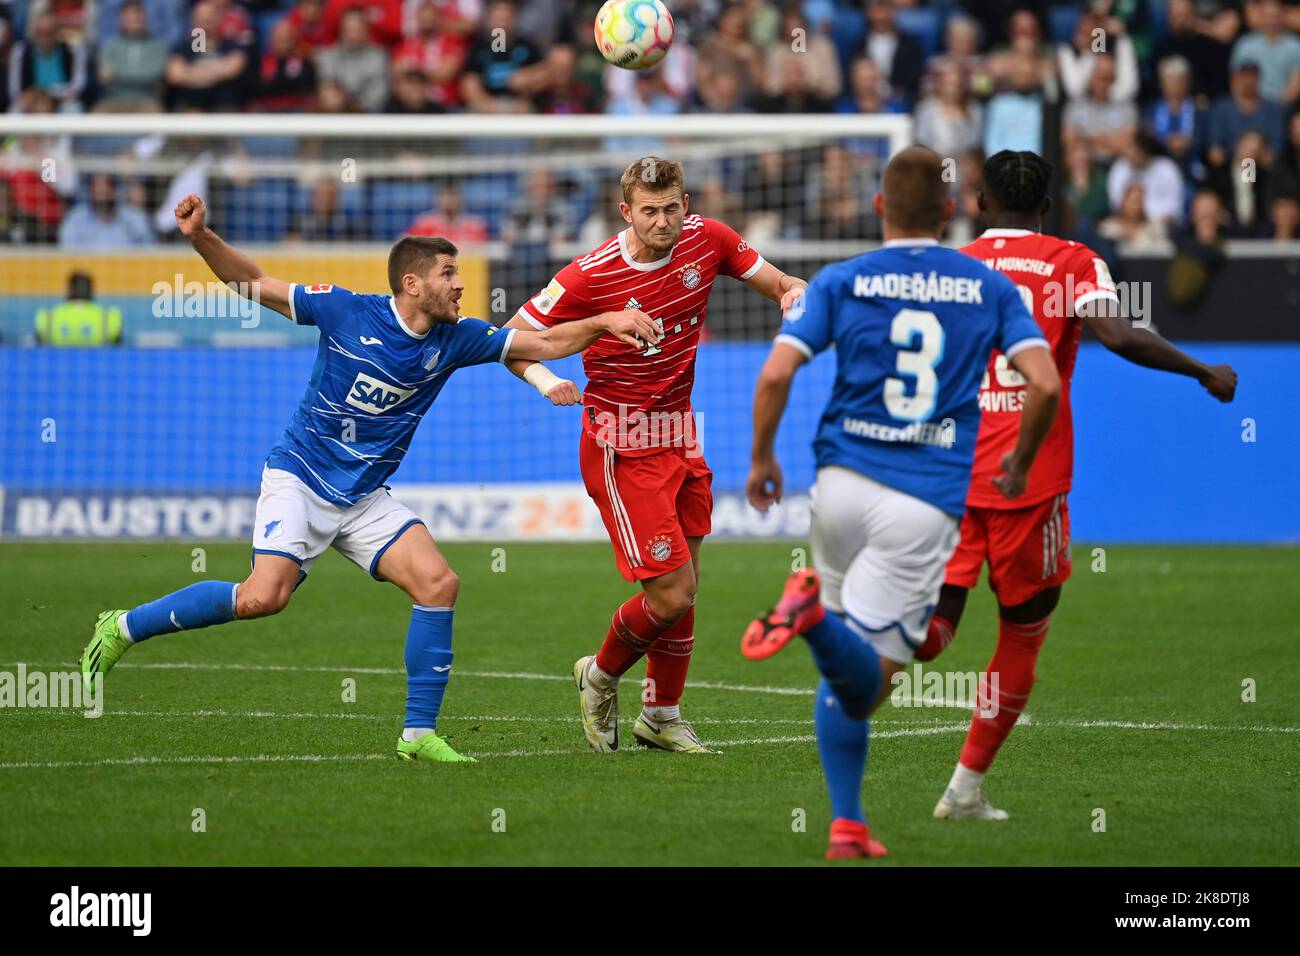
(691, 277)
(661, 548)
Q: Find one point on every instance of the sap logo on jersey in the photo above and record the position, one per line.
(371, 395)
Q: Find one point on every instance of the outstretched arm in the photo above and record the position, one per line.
(776, 285)
(560, 391)
(631, 327)
(1146, 348)
(771, 394)
(228, 263)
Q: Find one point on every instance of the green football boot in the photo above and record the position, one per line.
(106, 647)
(430, 747)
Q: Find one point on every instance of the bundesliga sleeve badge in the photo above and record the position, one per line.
(545, 300)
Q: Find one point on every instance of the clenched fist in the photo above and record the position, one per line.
(191, 215)
(565, 393)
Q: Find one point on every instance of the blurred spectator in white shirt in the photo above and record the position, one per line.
(1131, 224)
(1143, 164)
(961, 49)
(1102, 123)
(813, 50)
(950, 121)
(1075, 60)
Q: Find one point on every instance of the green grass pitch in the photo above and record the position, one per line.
(1138, 712)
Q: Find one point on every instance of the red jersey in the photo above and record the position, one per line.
(1054, 277)
(428, 56)
(636, 398)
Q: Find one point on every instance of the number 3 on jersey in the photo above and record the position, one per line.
(919, 339)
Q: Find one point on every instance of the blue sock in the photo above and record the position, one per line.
(428, 664)
(199, 605)
(850, 665)
(842, 746)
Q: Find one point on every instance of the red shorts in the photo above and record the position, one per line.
(650, 505)
(1028, 549)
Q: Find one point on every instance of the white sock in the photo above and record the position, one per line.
(597, 676)
(412, 734)
(965, 783)
(663, 714)
(121, 626)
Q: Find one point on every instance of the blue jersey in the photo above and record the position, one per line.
(913, 326)
(372, 383)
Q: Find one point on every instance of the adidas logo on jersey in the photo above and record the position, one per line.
(373, 396)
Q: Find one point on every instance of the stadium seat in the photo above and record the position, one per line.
(923, 23)
(1061, 23)
(258, 212)
(1159, 21)
(395, 205)
(105, 145)
(270, 147)
(263, 23)
(352, 201)
(583, 192)
(849, 33)
(489, 196)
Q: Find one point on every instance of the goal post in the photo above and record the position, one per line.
(163, 434)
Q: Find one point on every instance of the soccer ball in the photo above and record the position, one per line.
(634, 34)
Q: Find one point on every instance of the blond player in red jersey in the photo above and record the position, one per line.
(1026, 542)
(641, 461)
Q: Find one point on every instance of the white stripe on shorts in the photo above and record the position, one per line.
(621, 520)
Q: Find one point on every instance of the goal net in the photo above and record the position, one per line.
(143, 396)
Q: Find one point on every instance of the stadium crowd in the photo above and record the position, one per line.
(1174, 118)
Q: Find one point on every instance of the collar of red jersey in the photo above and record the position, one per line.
(640, 266)
(1005, 233)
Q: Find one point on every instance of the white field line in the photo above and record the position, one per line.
(489, 675)
(913, 731)
(340, 758)
(391, 718)
(401, 672)
(1025, 720)
(923, 731)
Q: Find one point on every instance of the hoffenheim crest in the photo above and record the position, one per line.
(429, 358)
(690, 277)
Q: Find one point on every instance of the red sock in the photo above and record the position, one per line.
(1013, 664)
(631, 632)
(938, 636)
(668, 660)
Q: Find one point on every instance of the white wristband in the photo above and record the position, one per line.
(541, 378)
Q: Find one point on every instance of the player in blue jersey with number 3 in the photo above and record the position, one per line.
(381, 361)
(913, 325)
